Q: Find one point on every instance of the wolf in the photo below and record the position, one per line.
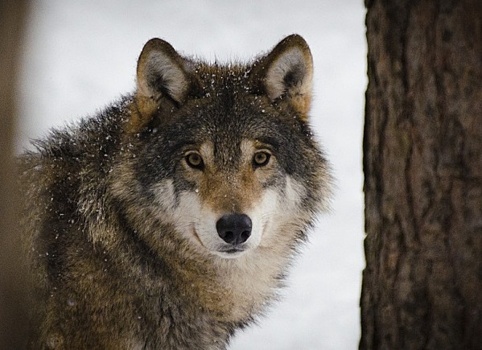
(169, 219)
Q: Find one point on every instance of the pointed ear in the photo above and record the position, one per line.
(160, 75)
(287, 73)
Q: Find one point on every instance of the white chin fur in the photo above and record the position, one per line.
(228, 256)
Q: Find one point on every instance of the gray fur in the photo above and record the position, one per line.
(118, 222)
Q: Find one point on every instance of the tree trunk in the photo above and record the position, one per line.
(13, 297)
(422, 285)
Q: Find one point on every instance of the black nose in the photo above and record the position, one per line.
(234, 228)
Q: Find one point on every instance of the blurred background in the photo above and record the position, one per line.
(80, 56)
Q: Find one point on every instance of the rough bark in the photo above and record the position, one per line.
(13, 308)
(422, 285)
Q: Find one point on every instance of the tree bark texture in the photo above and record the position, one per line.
(13, 306)
(422, 285)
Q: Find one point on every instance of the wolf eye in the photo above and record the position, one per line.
(261, 159)
(194, 160)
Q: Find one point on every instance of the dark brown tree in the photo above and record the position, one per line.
(422, 286)
(13, 308)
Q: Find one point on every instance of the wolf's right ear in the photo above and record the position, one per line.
(160, 74)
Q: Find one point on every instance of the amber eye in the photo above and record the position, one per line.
(261, 158)
(194, 160)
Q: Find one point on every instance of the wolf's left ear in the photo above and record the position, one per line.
(287, 73)
(160, 75)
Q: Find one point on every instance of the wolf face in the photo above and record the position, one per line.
(226, 152)
(228, 208)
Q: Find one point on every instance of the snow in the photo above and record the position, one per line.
(82, 55)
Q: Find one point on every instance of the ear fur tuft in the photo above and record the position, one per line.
(160, 74)
(287, 72)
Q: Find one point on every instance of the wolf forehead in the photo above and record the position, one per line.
(226, 118)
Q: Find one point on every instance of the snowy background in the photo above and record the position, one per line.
(81, 55)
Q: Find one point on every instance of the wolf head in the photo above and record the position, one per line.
(224, 153)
